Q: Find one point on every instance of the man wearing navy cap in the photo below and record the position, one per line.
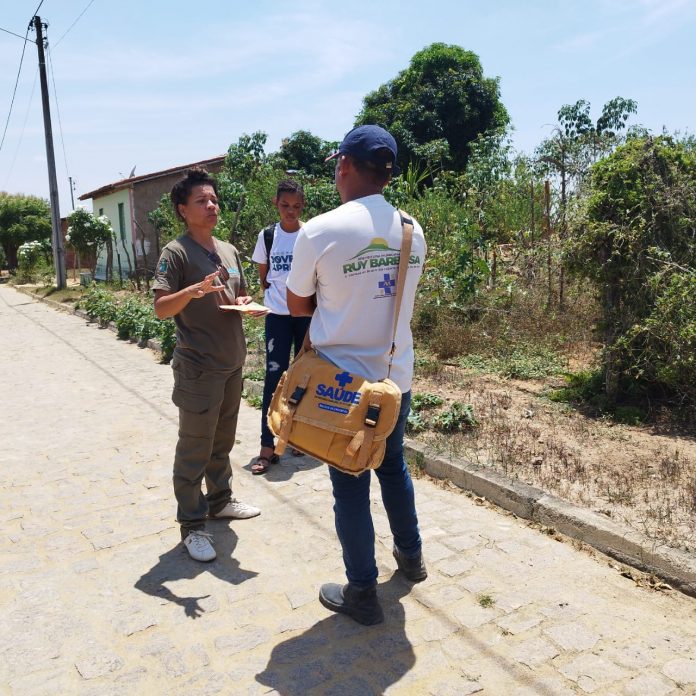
(344, 274)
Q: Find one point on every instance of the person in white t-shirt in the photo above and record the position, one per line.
(344, 274)
(274, 255)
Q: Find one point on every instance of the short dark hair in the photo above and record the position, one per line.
(289, 186)
(375, 169)
(196, 176)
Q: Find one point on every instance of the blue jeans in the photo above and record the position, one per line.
(283, 332)
(352, 507)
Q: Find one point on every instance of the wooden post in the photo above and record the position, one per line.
(533, 221)
(547, 226)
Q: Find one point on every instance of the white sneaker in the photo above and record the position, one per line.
(199, 545)
(237, 510)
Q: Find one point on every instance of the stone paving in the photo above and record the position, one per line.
(98, 597)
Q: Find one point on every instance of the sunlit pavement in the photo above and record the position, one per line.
(98, 597)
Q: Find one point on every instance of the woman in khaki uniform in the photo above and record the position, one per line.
(196, 274)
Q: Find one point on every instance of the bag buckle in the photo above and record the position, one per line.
(372, 416)
(297, 395)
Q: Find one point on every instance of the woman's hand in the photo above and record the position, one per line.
(205, 287)
(246, 299)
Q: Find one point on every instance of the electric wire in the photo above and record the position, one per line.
(60, 123)
(19, 36)
(19, 72)
(89, 4)
(21, 135)
(14, 91)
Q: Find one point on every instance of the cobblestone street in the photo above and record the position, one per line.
(98, 596)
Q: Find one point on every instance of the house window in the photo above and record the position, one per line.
(122, 222)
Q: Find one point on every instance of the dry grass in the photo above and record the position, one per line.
(630, 474)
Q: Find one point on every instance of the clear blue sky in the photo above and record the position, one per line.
(155, 84)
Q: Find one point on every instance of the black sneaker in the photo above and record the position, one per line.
(413, 568)
(361, 605)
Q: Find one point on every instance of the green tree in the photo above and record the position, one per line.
(165, 222)
(578, 142)
(437, 106)
(635, 231)
(306, 152)
(88, 234)
(22, 219)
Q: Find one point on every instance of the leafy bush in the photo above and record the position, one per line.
(129, 316)
(425, 401)
(134, 317)
(661, 350)
(33, 261)
(456, 418)
(415, 423)
(635, 231)
(100, 304)
(166, 334)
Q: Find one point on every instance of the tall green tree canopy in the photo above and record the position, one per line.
(22, 219)
(307, 152)
(437, 106)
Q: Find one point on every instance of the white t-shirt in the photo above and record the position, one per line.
(349, 257)
(274, 297)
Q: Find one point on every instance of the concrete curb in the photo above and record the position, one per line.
(675, 567)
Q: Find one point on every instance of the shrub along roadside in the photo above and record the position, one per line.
(133, 316)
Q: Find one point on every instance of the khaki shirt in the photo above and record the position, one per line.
(206, 336)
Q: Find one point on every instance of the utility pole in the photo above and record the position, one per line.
(58, 250)
(72, 188)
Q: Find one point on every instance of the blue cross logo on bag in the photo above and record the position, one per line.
(343, 378)
(337, 394)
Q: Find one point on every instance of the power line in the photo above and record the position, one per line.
(89, 4)
(21, 135)
(14, 92)
(19, 36)
(19, 72)
(60, 124)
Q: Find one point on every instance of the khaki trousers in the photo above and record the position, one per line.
(208, 409)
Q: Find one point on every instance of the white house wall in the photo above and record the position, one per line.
(123, 247)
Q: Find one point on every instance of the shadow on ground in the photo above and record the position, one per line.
(176, 564)
(341, 657)
(286, 467)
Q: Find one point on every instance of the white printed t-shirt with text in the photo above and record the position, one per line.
(349, 257)
(274, 296)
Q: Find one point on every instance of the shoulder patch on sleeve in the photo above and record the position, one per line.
(163, 264)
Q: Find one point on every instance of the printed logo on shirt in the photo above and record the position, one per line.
(281, 262)
(331, 395)
(386, 286)
(375, 257)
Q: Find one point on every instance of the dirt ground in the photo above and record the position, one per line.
(641, 476)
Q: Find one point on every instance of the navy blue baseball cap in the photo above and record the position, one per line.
(367, 143)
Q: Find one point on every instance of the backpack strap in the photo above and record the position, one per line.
(404, 256)
(268, 234)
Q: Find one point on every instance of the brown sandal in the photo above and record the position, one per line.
(263, 464)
